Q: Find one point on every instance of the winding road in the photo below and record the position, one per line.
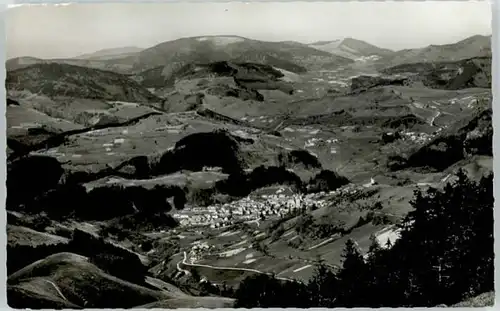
(179, 266)
(431, 122)
(183, 261)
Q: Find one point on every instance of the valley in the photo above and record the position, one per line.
(164, 177)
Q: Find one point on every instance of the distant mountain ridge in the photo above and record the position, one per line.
(168, 57)
(109, 64)
(172, 55)
(350, 48)
(475, 46)
(111, 53)
(206, 49)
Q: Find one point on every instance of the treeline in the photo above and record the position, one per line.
(103, 203)
(33, 186)
(444, 255)
(242, 184)
(345, 118)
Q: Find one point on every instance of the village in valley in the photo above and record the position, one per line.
(258, 208)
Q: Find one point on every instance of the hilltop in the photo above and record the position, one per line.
(55, 79)
(286, 55)
(195, 86)
(102, 64)
(475, 46)
(351, 48)
(192, 71)
(54, 100)
(361, 51)
(466, 73)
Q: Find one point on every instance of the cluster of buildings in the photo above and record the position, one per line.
(248, 209)
(257, 208)
(198, 250)
(314, 141)
(419, 138)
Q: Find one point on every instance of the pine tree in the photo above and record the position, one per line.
(375, 275)
(352, 277)
(323, 287)
(388, 244)
(375, 248)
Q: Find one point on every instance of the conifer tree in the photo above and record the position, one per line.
(352, 276)
(375, 247)
(323, 287)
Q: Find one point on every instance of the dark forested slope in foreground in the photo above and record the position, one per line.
(444, 256)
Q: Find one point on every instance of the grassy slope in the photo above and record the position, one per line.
(483, 300)
(80, 281)
(191, 302)
(17, 235)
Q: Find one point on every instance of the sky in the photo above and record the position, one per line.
(49, 31)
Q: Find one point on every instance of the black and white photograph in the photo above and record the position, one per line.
(249, 155)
